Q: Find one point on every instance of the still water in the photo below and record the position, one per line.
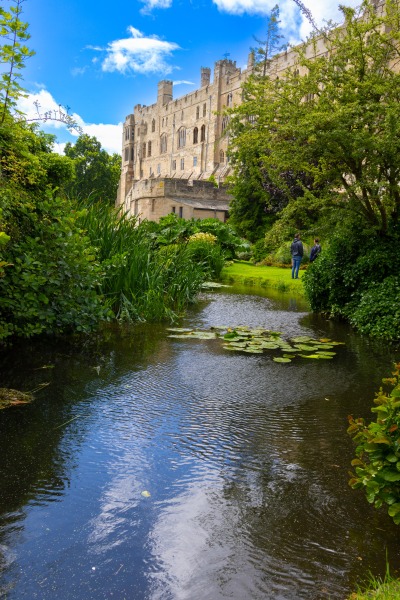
(159, 469)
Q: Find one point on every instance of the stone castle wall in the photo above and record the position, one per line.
(184, 138)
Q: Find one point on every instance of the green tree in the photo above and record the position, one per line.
(97, 172)
(339, 122)
(13, 54)
(271, 45)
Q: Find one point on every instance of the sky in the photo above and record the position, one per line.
(100, 58)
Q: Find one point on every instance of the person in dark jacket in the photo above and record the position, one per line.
(296, 250)
(315, 250)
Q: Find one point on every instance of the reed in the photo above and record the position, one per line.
(141, 281)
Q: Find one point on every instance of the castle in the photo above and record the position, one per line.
(170, 149)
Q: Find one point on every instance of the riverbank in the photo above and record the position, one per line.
(279, 278)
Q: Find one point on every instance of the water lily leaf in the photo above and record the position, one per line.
(230, 335)
(304, 347)
(281, 359)
(269, 345)
(325, 353)
(204, 335)
(182, 336)
(232, 348)
(252, 350)
(309, 356)
(324, 339)
(179, 329)
(302, 338)
(238, 344)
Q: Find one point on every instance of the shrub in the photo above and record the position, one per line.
(377, 462)
(377, 313)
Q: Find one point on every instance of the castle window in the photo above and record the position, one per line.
(195, 135)
(174, 165)
(153, 204)
(163, 143)
(182, 164)
(203, 133)
(153, 125)
(182, 116)
(163, 121)
(158, 169)
(149, 149)
(173, 209)
(221, 157)
(198, 112)
(144, 150)
(195, 161)
(127, 133)
(229, 99)
(204, 109)
(181, 212)
(181, 137)
(132, 153)
(126, 154)
(225, 121)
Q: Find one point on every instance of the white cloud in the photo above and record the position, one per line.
(139, 54)
(182, 81)
(109, 135)
(293, 24)
(149, 5)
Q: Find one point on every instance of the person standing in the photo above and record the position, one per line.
(315, 250)
(296, 250)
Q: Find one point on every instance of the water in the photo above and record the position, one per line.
(159, 469)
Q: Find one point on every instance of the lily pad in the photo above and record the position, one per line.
(252, 350)
(10, 397)
(282, 359)
(179, 329)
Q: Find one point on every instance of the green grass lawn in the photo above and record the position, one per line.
(279, 278)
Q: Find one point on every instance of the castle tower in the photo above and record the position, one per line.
(205, 74)
(164, 92)
(128, 155)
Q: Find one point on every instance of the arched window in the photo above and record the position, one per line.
(181, 137)
(163, 143)
(182, 116)
(149, 149)
(198, 112)
(203, 133)
(204, 109)
(126, 154)
(221, 157)
(225, 121)
(229, 99)
(144, 150)
(195, 135)
(153, 125)
(132, 153)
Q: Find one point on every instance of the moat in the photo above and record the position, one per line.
(153, 468)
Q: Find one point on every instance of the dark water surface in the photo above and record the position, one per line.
(245, 463)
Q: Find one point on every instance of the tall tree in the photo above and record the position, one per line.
(272, 43)
(97, 172)
(13, 54)
(339, 122)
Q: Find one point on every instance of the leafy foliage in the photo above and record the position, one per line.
(96, 172)
(377, 462)
(13, 53)
(49, 282)
(353, 278)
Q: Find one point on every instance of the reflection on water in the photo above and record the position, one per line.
(244, 460)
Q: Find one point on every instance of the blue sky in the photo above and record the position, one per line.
(101, 58)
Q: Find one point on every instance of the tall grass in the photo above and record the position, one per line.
(141, 281)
